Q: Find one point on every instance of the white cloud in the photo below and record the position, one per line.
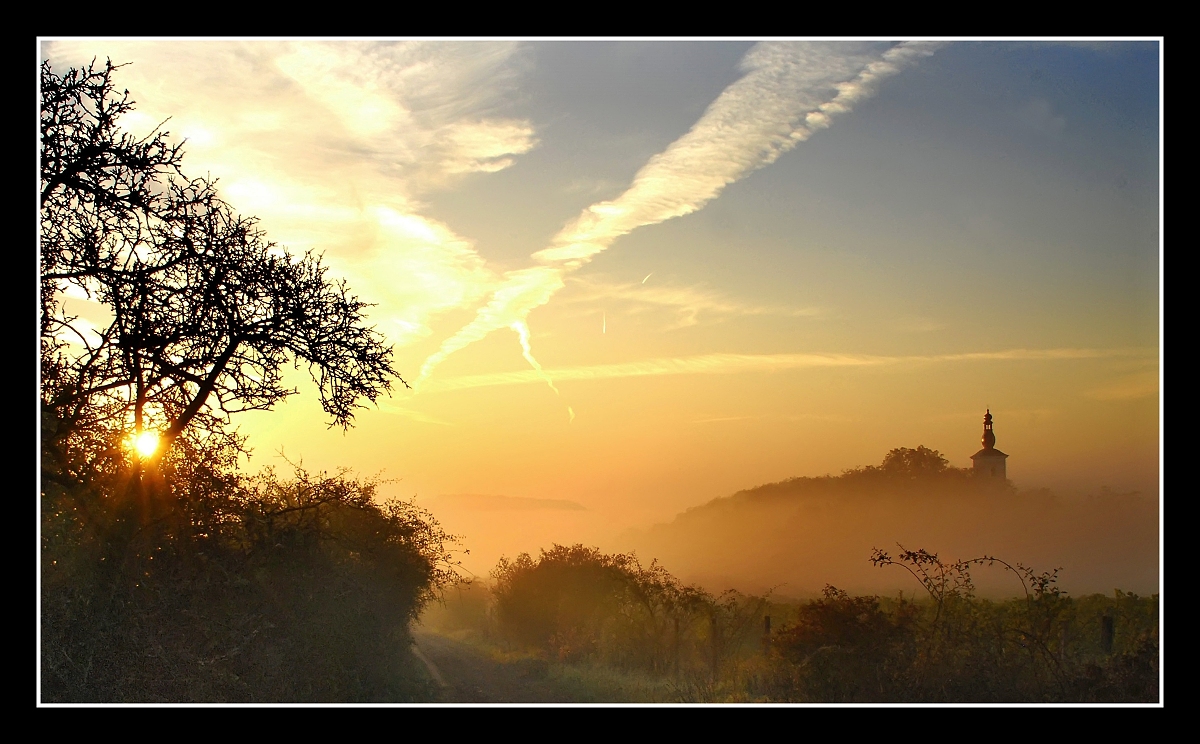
(752, 123)
(687, 303)
(483, 145)
(737, 363)
(332, 144)
(417, 105)
(789, 89)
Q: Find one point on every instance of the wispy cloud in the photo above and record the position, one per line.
(333, 144)
(408, 413)
(789, 90)
(687, 303)
(782, 99)
(420, 106)
(738, 363)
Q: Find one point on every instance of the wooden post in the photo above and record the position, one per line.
(766, 639)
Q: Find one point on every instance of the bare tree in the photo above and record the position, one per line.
(204, 310)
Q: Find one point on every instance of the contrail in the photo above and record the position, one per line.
(648, 276)
(523, 333)
(520, 292)
(740, 363)
(783, 97)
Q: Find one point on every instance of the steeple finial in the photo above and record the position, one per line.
(989, 438)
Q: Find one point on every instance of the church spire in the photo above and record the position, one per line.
(989, 439)
(989, 461)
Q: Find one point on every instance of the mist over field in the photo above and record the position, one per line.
(798, 535)
(514, 370)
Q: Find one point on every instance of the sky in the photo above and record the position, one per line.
(626, 277)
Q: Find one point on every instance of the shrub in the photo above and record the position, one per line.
(268, 589)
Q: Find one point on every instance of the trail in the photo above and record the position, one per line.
(467, 675)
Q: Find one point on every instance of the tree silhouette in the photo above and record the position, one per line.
(914, 462)
(204, 311)
(915, 466)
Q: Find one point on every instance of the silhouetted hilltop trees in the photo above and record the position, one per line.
(902, 469)
(802, 533)
(921, 465)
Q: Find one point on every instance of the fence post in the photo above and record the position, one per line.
(766, 639)
(1106, 633)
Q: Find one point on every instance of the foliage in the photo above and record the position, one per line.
(913, 465)
(174, 577)
(955, 647)
(576, 603)
(203, 310)
(919, 471)
(844, 644)
(948, 646)
(297, 589)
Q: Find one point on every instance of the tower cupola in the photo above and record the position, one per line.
(989, 438)
(989, 462)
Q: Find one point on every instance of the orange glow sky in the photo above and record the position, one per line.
(636, 276)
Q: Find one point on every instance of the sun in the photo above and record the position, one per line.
(145, 444)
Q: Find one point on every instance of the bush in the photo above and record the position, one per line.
(844, 648)
(267, 590)
(576, 603)
(955, 647)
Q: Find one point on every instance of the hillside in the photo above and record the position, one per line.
(799, 534)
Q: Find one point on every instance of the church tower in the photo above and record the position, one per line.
(989, 461)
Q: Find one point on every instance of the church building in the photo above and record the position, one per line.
(989, 461)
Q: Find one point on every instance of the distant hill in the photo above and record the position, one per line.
(801, 533)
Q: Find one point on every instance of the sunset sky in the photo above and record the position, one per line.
(632, 276)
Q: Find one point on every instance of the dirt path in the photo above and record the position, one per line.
(466, 675)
